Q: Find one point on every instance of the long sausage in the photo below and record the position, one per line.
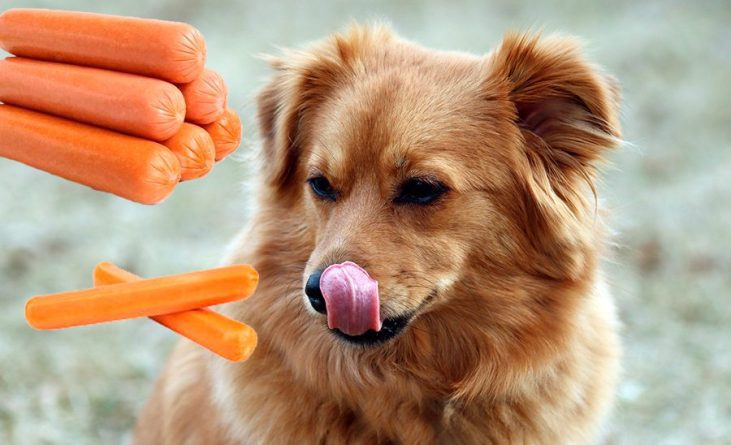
(144, 298)
(128, 103)
(172, 51)
(133, 168)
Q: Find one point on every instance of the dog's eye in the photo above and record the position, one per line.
(322, 188)
(419, 191)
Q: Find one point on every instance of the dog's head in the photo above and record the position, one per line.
(457, 183)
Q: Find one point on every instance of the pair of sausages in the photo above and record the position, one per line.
(177, 302)
(122, 100)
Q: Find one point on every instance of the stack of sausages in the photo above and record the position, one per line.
(123, 105)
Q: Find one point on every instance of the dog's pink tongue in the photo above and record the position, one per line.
(351, 298)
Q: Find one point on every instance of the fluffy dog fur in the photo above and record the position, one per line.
(514, 338)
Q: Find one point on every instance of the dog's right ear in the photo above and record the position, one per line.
(304, 79)
(281, 109)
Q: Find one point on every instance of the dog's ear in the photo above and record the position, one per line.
(567, 113)
(304, 79)
(283, 105)
(566, 108)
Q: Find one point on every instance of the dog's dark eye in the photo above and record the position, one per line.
(322, 188)
(419, 191)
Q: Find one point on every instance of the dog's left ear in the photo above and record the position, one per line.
(566, 111)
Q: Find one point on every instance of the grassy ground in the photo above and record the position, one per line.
(669, 191)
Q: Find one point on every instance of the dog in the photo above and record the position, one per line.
(429, 242)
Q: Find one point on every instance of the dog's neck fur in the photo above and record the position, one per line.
(420, 388)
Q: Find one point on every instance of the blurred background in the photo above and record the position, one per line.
(669, 191)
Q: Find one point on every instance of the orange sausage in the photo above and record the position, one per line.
(194, 149)
(144, 298)
(226, 133)
(172, 51)
(228, 338)
(133, 168)
(128, 103)
(205, 98)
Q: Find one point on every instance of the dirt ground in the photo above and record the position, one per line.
(668, 189)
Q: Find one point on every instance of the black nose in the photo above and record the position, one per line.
(312, 290)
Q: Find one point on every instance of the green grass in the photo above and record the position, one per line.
(669, 191)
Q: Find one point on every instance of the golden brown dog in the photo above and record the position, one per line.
(464, 186)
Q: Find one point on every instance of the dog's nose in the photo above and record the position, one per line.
(313, 292)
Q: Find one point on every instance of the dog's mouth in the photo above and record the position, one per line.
(350, 298)
(390, 328)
